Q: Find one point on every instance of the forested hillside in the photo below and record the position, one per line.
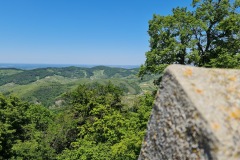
(73, 113)
(93, 124)
(23, 77)
(46, 85)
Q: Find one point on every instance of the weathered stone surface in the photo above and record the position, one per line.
(196, 116)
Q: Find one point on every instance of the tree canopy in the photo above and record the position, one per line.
(105, 129)
(93, 124)
(208, 35)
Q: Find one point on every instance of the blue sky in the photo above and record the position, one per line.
(107, 32)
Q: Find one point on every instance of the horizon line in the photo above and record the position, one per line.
(19, 63)
(30, 66)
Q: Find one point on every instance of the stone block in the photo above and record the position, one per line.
(196, 116)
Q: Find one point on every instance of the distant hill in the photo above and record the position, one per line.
(35, 66)
(46, 85)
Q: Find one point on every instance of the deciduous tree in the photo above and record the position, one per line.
(206, 36)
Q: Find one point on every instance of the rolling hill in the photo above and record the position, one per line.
(46, 85)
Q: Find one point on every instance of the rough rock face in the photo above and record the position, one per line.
(196, 116)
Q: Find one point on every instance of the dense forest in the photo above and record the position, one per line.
(93, 124)
(73, 113)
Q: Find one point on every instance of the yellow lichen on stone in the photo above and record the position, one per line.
(231, 89)
(235, 114)
(155, 136)
(232, 78)
(188, 72)
(227, 97)
(215, 126)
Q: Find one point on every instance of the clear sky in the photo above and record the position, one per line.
(107, 32)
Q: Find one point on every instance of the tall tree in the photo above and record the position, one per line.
(207, 36)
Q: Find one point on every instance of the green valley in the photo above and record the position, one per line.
(46, 85)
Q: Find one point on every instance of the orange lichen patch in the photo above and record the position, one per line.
(231, 89)
(199, 91)
(227, 97)
(215, 126)
(188, 72)
(232, 78)
(235, 114)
